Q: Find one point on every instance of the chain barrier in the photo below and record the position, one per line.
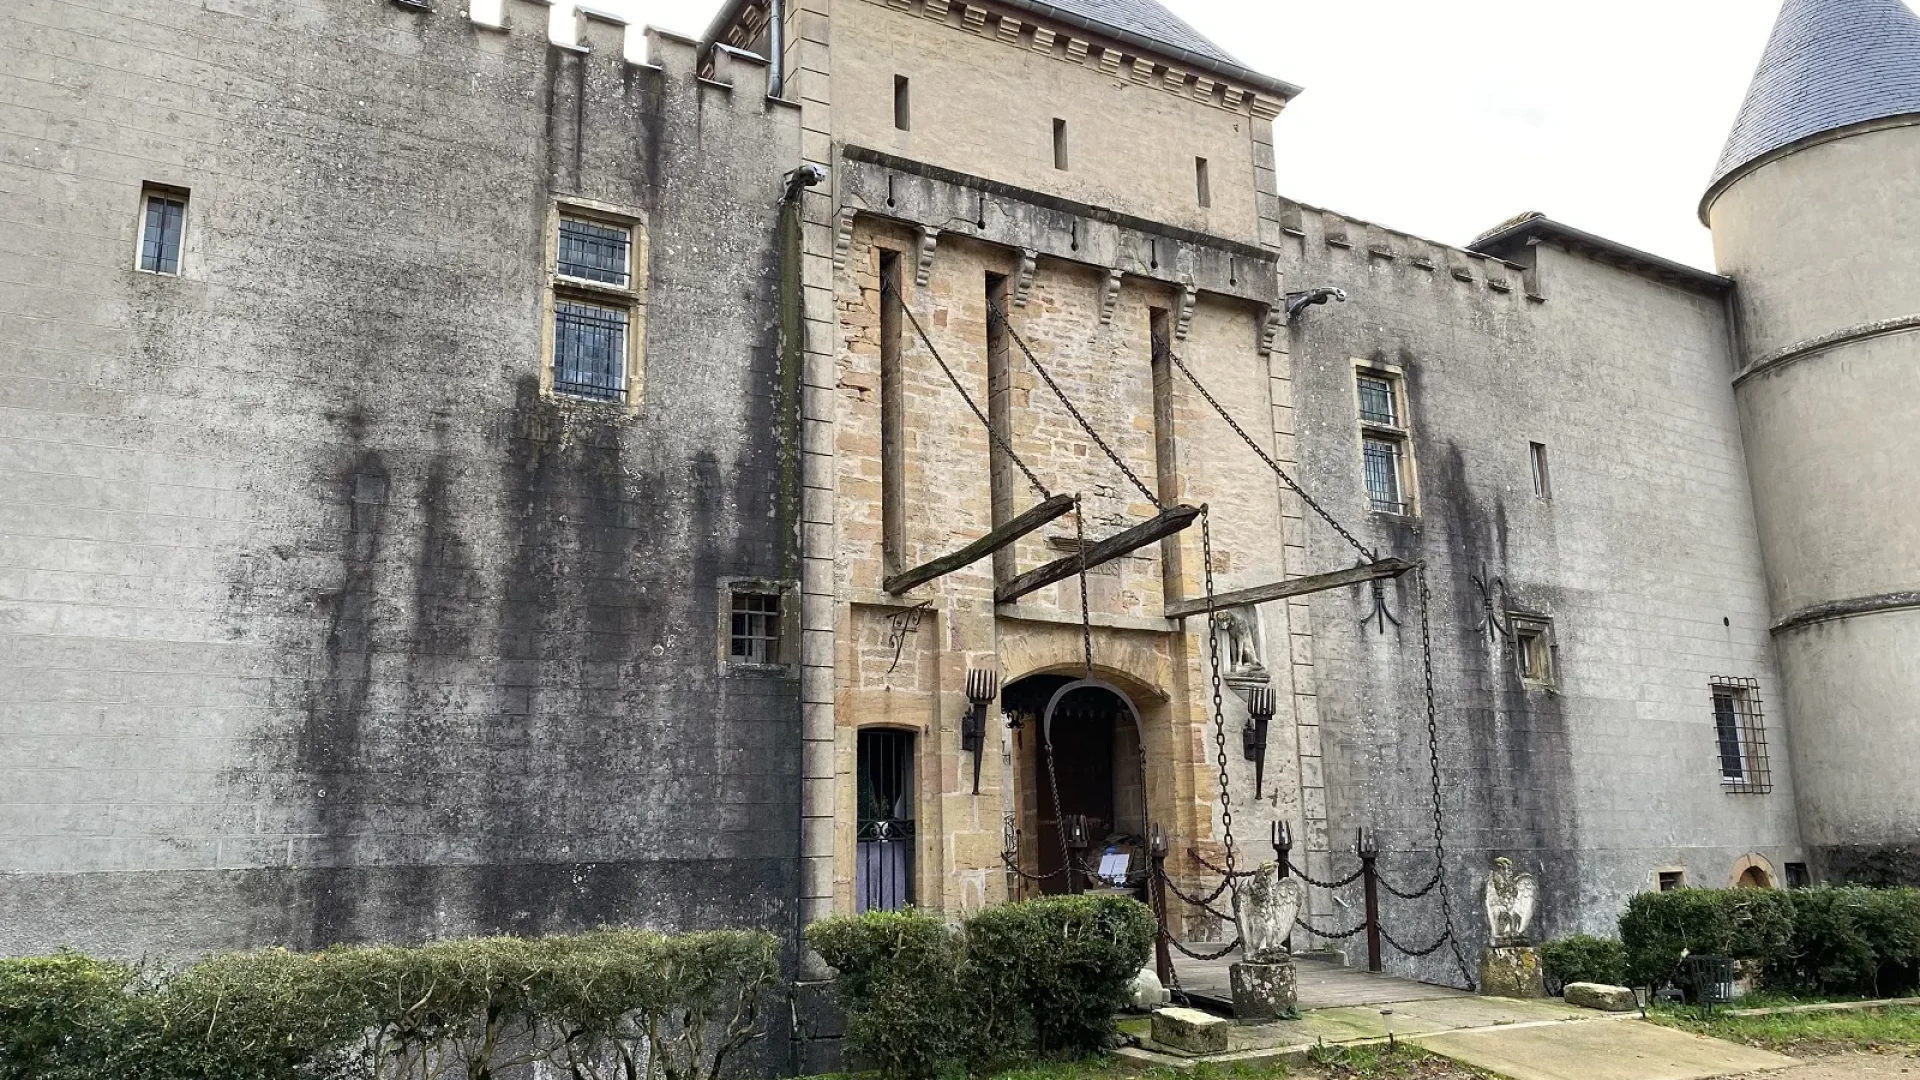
(1175, 942)
(1363, 549)
(1330, 935)
(1432, 883)
(1205, 905)
(1202, 860)
(1445, 937)
(1316, 883)
(993, 433)
(995, 314)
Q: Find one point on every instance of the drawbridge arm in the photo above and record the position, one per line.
(1006, 534)
(1166, 524)
(1280, 590)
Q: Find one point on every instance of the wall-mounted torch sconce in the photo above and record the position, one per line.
(982, 687)
(1253, 737)
(1283, 846)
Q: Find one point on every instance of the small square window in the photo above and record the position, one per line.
(1533, 649)
(589, 350)
(1740, 737)
(594, 251)
(1672, 879)
(754, 637)
(1386, 487)
(163, 224)
(1798, 877)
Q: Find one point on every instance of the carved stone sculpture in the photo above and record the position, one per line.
(1265, 906)
(1511, 895)
(1242, 644)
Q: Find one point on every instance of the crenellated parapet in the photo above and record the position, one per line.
(602, 35)
(1321, 235)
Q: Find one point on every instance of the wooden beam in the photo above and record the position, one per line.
(1169, 522)
(1280, 590)
(981, 548)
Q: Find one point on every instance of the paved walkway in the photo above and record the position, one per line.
(1524, 1040)
(1322, 984)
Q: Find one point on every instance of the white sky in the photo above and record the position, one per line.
(1445, 117)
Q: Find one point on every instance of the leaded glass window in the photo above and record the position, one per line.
(161, 230)
(589, 350)
(591, 251)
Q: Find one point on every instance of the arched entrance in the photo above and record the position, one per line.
(1099, 771)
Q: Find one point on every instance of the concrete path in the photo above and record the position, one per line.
(1322, 984)
(1600, 1050)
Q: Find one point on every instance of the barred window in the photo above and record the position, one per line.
(592, 251)
(162, 226)
(589, 350)
(1740, 736)
(755, 636)
(1377, 404)
(1386, 490)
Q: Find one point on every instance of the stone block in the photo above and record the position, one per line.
(1511, 971)
(1191, 1030)
(1601, 996)
(1263, 992)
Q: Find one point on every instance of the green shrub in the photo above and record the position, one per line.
(594, 1006)
(1851, 940)
(1584, 958)
(1062, 966)
(1037, 978)
(903, 985)
(1660, 928)
(60, 1015)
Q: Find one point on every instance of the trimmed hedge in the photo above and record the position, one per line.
(1583, 958)
(1851, 940)
(592, 1006)
(1838, 941)
(1659, 928)
(1040, 978)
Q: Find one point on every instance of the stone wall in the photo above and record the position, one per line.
(1644, 557)
(319, 619)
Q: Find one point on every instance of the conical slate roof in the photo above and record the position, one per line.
(1829, 64)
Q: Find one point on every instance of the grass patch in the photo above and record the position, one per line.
(1807, 1034)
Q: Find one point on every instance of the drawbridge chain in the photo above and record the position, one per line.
(994, 314)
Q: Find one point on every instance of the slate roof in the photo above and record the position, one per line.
(1829, 64)
(1150, 20)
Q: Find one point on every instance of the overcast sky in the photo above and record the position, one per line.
(1445, 118)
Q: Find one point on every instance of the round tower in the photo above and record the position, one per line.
(1815, 212)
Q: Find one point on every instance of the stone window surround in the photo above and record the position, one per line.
(1526, 625)
(1400, 433)
(148, 192)
(788, 663)
(632, 298)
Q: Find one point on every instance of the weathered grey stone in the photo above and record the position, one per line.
(1265, 905)
(1148, 991)
(1510, 896)
(1191, 1030)
(1511, 971)
(1600, 996)
(1263, 991)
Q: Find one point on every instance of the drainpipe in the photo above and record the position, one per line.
(777, 45)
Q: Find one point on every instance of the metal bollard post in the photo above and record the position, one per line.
(1162, 954)
(1369, 850)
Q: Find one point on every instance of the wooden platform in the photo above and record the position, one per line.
(1322, 985)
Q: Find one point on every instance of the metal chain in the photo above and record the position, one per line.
(1330, 935)
(1205, 905)
(1445, 936)
(1433, 761)
(993, 313)
(992, 433)
(1086, 612)
(1271, 464)
(1432, 883)
(1230, 946)
(1219, 706)
(1315, 882)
